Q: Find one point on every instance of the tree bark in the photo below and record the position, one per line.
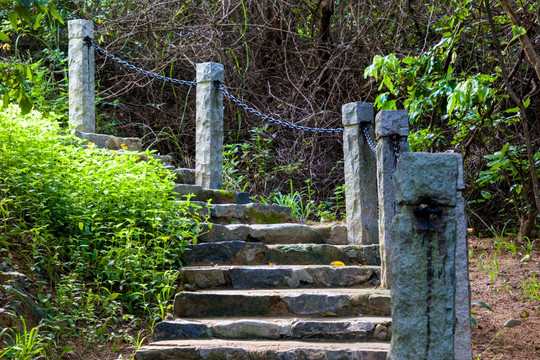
(519, 103)
(323, 43)
(524, 39)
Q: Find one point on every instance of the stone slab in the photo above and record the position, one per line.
(251, 253)
(261, 350)
(293, 276)
(185, 176)
(180, 329)
(286, 328)
(198, 193)
(284, 233)
(342, 302)
(110, 142)
(252, 213)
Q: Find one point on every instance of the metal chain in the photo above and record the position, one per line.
(89, 42)
(397, 149)
(368, 139)
(218, 85)
(270, 118)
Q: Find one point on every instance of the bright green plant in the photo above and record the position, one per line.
(531, 288)
(301, 208)
(25, 17)
(105, 229)
(26, 344)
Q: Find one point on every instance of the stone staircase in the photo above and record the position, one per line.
(257, 286)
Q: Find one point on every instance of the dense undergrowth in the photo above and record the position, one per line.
(100, 232)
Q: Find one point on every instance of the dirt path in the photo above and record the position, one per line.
(498, 282)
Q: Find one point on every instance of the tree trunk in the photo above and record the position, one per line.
(526, 225)
(524, 39)
(323, 44)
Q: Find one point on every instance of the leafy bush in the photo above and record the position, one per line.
(103, 228)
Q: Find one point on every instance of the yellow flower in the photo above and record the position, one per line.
(6, 46)
(90, 144)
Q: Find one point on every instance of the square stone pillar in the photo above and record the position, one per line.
(423, 258)
(82, 113)
(463, 337)
(391, 130)
(360, 175)
(209, 127)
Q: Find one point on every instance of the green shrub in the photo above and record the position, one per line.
(103, 228)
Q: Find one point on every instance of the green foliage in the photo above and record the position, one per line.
(435, 96)
(247, 161)
(26, 18)
(105, 229)
(532, 288)
(301, 209)
(23, 345)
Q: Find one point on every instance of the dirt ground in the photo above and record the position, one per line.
(497, 281)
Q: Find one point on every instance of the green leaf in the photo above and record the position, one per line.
(389, 105)
(25, 104)
(481, 304)
(37, 23)
(54, 13)
(81, 226)
(527, 102)
(13, 19)
(512, 110)
(3, 36)
(518, 30)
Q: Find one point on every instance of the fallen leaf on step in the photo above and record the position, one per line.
(337, 263)
(329, 313)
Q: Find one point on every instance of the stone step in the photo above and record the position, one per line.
(199, 194)
(340, 302)
(249, 253)
(251, 213)
(110, 142)
(261, 350)
(272, 328)
(185, 176)
(288, 233)
(276, 277)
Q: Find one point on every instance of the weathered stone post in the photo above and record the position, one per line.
(391, 130)
(423, 258)
(463, 338)
(360, 175)
(209, 123)
(81, 76)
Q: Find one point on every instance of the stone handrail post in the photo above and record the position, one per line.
(360, 175)
(423, 258)
(391, 131)
(463, 338)
(81, 76)
(209, 127)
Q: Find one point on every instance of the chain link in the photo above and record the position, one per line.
(397, 149)
(217, 84)
(270, 118)
(89, 42)
(368, 139)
